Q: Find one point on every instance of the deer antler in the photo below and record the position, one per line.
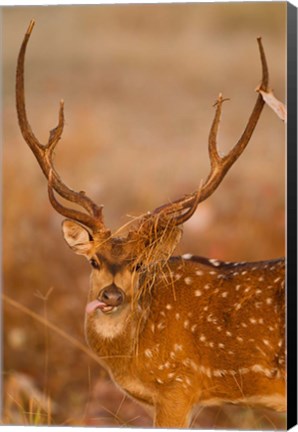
(44, 155)
(219, 164)
(180, 210)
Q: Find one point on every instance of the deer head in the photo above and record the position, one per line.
(124, 267)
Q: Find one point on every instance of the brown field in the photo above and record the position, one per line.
(139, 82)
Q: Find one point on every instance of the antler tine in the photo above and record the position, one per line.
(219, 164)
(85, 219)
(44, 153)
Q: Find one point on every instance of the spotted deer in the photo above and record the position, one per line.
(173, 332)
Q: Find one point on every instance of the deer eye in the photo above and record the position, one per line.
(94, 263)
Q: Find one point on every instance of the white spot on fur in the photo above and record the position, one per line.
(199, 273)
(210, 318)
(260, 369)
(169, 307)
(188, 280)
(193, 365)
(228, 333)
(266, 342)
(237, 287)
(219, 373)
(193, 328)
(224, 294)
(261, 351)
(148, 353)
(215, 262)
(269, 300)
(244, 370)
(187, 256)
(188, 381)
(205, 371)
(202, 338)
(178, 347)
(161, 325)
(177, 316)
(198, 293)
(179, 379)
(221, 345)
(186, 324)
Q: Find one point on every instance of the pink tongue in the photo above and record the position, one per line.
(91, 306)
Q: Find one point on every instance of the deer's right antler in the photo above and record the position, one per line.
(219, 164)
(44, 155)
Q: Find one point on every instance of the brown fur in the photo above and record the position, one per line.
(191, 330)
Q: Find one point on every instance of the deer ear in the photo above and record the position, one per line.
(77, 237)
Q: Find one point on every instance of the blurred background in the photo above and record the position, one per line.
(138, 82)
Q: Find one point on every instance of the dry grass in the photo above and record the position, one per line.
(138, 82)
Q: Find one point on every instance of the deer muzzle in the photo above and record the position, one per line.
(109, 299)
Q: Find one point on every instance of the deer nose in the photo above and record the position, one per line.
(112, 295)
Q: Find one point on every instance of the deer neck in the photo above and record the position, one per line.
(115, 338)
